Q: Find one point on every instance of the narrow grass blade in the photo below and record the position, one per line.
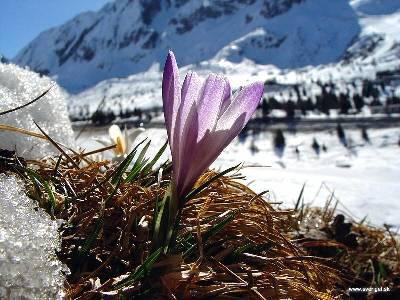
(125, 164)
(99, 150)
(139, 164)
(142, 271)
(122, 167)
(57, 146)
(28, 103)
(160, 226)
(92, 237)
(150, 165)
(50, 193)
(198, 190)
(299, 198)
(22, 131)
(37, 178)
(99, 223)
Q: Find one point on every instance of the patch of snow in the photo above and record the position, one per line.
(29, 268)
(364, 176)
(19, 86)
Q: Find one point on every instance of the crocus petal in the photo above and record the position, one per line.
(202, 120)
(127, 141)
(210, 102)
(170, 93)
(190, 92)
(116, 136)
(207, 151)
(228, 126)
(227, 99)
(187, 150)
(245, 102)
(200, 107)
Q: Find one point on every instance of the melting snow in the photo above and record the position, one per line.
(29, 268)
(19, 86)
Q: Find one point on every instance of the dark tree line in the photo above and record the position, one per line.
(299, 101)
(108, 114)
(345, 102)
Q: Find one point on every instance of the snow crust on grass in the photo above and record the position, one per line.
(19, 86)
(29, 268)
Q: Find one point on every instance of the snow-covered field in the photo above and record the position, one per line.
(365, 179)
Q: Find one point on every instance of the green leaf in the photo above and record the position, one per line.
(363, 220)
(142, 271)
(36, 178)
(161, 222)
(124, 164)
(382, 272)
(49, 191)
(92, 237)
(99, 223)
(219, 226)
(150, 165)
(139, 164)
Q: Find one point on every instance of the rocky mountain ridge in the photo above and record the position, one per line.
(128, 37)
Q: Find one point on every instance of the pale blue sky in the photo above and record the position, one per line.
(22, 20)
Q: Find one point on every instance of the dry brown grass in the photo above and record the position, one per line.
(231, 242)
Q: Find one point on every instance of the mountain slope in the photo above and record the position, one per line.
(128, 37)
(375, 48)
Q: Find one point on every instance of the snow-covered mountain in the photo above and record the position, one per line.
(253, 39)
(128, 36)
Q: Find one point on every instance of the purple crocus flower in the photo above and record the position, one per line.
(202, 118)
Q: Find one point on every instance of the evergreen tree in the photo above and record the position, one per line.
(364, 134)
(253, 148)
(376, 102)
(316, 147)
(290, 109)
(344, 104)
(274, 104)
(322, 104)
(265, 107)
(341, 135)
(358, 102)
(279, 143)
(297, 151)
